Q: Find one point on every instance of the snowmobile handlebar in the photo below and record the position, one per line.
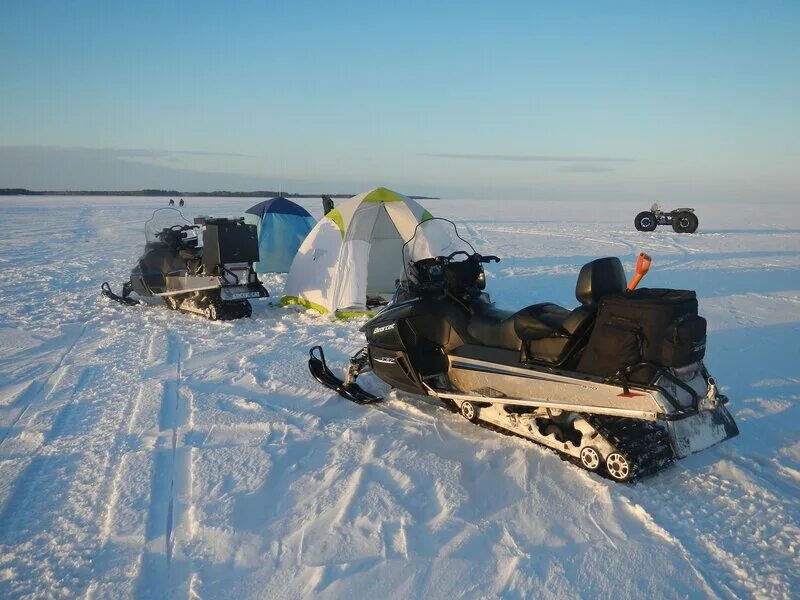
(477, 257)
(175, 229)
(452, 255)
(440, 274)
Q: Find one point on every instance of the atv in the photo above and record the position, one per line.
(205, 267)
(683, 220)
(617, 385)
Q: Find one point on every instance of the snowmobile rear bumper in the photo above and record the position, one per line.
(243, 292)
(700, 430)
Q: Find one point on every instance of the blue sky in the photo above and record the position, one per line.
(572, 100)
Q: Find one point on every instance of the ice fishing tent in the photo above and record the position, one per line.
(352, 258)
(282, 227)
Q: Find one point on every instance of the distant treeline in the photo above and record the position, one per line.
(175, 193)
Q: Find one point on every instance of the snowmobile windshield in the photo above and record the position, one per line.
(432, 238)
(163, 218)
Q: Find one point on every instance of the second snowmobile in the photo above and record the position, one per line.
(617, 384)
(205, 267)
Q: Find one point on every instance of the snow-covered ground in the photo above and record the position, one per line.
(147, 453)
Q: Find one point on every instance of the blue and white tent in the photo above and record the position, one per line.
(282, 227)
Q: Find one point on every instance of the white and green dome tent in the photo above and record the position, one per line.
(354, 253)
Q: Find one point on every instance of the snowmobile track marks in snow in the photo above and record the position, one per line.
(64, 490)
(156, 574)
(35, 390)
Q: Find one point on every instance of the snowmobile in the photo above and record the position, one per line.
(616, 385)
(205, 267)
(683, 220)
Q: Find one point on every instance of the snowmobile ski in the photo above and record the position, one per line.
(352, 391)
(124, 298)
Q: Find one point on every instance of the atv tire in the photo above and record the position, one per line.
(645, 221)
(694, 223)
(684, 223)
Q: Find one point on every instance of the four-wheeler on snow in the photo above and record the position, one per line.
(617, 384)
(683, 220)
(210, 274)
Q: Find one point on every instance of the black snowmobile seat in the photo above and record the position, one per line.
(493, 327)
(549, 333)
(541, 321)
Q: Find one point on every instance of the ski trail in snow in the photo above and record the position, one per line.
(113, 497)
(35, 389)
(80, 425)
(157, 576)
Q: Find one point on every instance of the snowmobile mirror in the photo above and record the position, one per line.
(642, 266)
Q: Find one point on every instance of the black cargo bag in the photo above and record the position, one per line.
(684, 342)
(664, 324)
(615, 343)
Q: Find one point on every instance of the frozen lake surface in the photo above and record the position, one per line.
(145, 453)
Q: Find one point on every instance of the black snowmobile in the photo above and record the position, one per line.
(617, 384)
(205, 267)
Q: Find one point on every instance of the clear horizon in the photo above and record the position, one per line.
(679, 103)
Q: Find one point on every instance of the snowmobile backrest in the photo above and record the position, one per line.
(599, 278)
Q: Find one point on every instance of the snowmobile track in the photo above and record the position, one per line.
(644, 443)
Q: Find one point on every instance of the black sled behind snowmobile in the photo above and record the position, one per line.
(617, 385)
(205, 267)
